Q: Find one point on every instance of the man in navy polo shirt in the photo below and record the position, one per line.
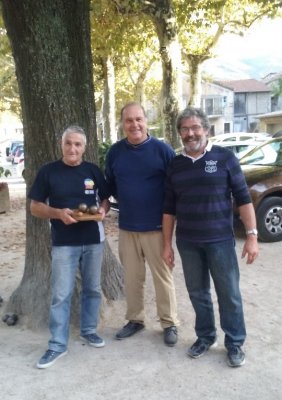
(58, 189)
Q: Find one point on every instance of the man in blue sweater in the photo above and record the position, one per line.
(201, 185)
(135, 169)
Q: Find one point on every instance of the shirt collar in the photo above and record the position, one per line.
(138, 144)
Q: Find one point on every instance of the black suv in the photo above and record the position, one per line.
(262, 168)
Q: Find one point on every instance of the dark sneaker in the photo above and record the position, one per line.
(200, 347)
(49, 358)
(93, 340)
(170, 336)
(235, 356)
(129, 329)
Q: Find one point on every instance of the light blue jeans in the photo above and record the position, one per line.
(218, 260)
(65, 262)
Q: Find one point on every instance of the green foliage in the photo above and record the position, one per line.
(202, 22)
(129, 39)
(102, 151)
(5, 172)
(124, 31)
(9, 91)
(277, 88)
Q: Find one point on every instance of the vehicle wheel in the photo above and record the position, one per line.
(269, 219)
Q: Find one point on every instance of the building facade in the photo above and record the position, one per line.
(251, 99)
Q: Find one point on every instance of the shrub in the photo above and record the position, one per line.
(4, 172)
(102, 151)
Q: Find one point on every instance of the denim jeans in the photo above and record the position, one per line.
(218, 260)
(65, 262)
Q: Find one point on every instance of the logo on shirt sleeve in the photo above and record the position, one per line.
(211, 166)
(89, 186)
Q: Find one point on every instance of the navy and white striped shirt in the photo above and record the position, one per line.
(200, 193)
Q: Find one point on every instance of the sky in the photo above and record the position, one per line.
(255, 55)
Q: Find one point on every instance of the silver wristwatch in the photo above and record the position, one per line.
(252, 232)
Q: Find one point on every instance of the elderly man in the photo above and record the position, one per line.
(58, 189)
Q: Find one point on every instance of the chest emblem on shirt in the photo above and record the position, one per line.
(89, 186)
(211, 166)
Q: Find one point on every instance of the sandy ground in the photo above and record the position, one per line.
(142, 367)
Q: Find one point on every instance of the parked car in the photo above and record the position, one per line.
(277, 134)
(262, 168)
(239, 148)
(16, 154)
(11, 148)
(240, 136)
(20, 169)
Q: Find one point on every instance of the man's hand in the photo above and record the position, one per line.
(250, 249)
(102, 211)
(66, 216)
(168, 256)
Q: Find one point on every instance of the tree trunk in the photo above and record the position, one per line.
(162, 14)
(166, 28)
(4, 197)
(51, 46)
(139, 94)
(195, 72)
(108, 108)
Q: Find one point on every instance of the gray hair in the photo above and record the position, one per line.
(193, 112)
(74, 129)
(132, 103)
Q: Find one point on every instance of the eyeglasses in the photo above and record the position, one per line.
(194, 128)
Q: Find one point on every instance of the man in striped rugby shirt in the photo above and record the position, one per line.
(201, 185)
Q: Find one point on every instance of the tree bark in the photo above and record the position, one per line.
(139, 94)
(4, 197)
(163, 16)
(51, 46)
(195, 72)
(108, 107)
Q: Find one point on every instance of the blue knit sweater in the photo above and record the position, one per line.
(136, 175)
(200, 194)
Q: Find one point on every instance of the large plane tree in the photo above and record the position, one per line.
(50, 42)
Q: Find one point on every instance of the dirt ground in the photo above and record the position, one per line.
(142, 367)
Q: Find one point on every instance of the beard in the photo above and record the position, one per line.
(195, 146)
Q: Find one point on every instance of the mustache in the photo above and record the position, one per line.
(189, 140)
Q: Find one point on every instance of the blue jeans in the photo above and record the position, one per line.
(65, 262)
(218, 260)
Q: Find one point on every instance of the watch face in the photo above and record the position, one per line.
(252, 232)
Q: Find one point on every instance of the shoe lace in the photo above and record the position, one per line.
(88, 336)
(49, 353)
(200, 343)
(234, 350)
(92, 336)
(172, 329)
